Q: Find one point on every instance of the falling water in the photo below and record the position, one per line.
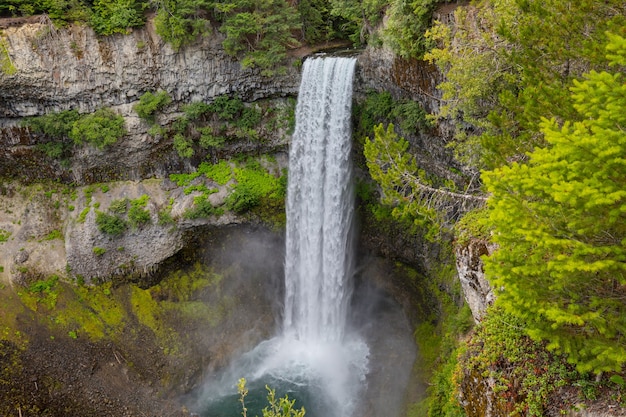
(316, 357)
(320, 204)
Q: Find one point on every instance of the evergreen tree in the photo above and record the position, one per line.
(560, 224)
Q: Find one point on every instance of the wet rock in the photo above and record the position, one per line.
(476, 289)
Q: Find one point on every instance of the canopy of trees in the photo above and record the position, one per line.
(560, 223)
(258, 32)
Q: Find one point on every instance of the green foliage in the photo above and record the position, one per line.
(98, 251)
(282, 407)
(259, 32)
(179, 22)
(524, 372)
(102, 128)
(196, 110)
(6, 65)
(379, 108)
(219, 173)
(83, 215)
(117, 16)
(516, 66)
(54, 124)
(208, 139)
(119, 206)
(406, 26)
(138, 215)
(560, 223)
(110, 224)
(443, 400)
(254, 184)
(316, 19)
(149, 104)
(358, 19)
(4, 235)
(226, 108)
(52, 150)
(202, 207)
(44, 286)
(210, 125)
(405, 187)
(183, 146)
(474, 225)
(54, 234)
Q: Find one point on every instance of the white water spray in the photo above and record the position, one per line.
(316, 349)
(320, 204)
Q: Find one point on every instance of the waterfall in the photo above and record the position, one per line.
(320, 204)
(316, 357)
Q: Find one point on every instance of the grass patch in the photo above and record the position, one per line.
(4, 235)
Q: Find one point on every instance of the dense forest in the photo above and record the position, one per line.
(535, 91)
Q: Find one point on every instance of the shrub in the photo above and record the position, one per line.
(109, 224)
(183, 146)
(194, 111)
(98, 251)
(83, 215)
(209, 140)
(52, 150)
(138, 215)
(116, 16)
(220, 173)
(55, 234)
(226, 108)
(150, 103)
(202, 208)
(53, 124)
(102, 128)
(4, 235)
(119, 206)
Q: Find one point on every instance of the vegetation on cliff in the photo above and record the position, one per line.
(535, 90)
(258, 33)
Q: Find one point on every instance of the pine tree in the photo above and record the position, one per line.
(560, 225)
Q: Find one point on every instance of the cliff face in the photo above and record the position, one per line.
(61, 69)
(58, 69)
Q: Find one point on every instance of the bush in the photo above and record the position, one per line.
(219, 173)
(183, 146)
(150, 103)
(202, 208)
(243, 198)
(110, 224)
(119, 206)
(117, 16)
(194, 111)
(138, 215)
(102, 128)
(226, 108)
(98, 251)
(209, 140)
(54, 124)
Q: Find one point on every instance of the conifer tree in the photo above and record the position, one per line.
(560, 224)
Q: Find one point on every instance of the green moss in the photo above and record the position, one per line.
(83, 215)
(219, 173)
(474, 225)
(524, 372)
(55, 234)
(4, 235)
(98, 251)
